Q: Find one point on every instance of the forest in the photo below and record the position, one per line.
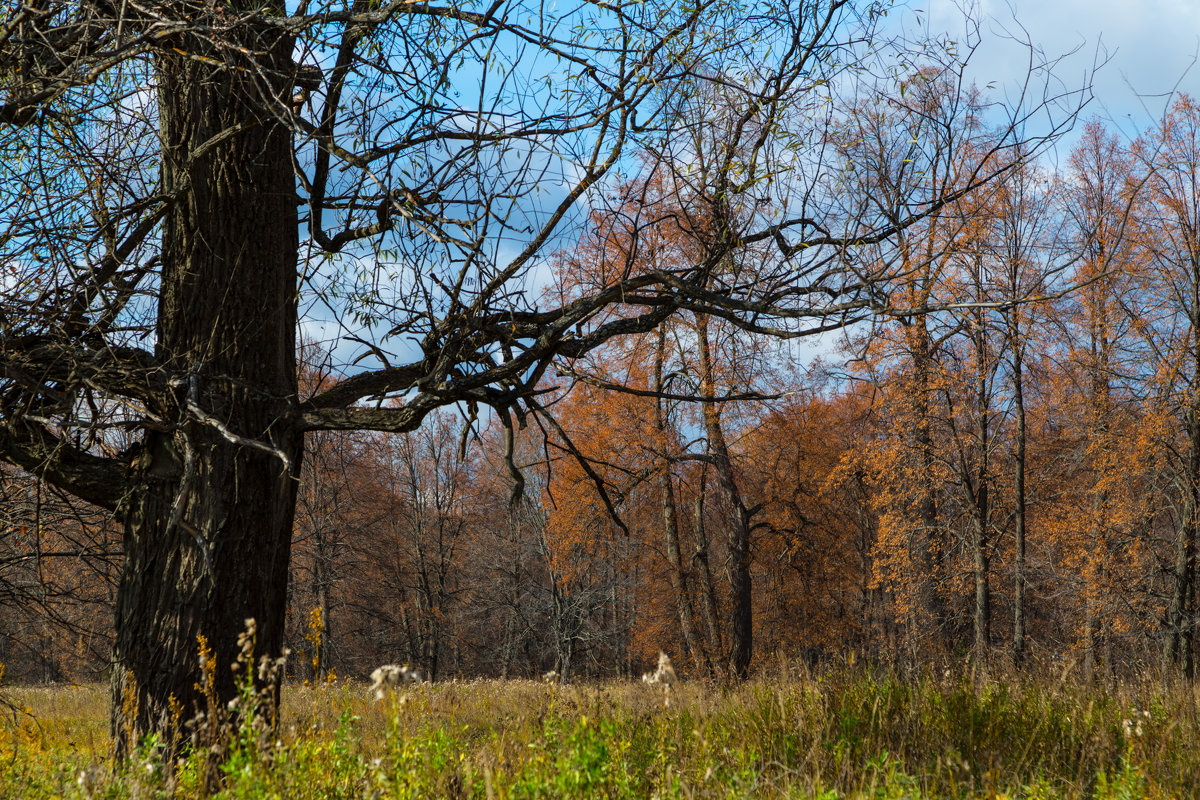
(1009, 474)
(835, 375)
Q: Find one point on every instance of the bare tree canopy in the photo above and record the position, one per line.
(182, 183)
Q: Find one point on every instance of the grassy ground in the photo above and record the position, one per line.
(844, 734)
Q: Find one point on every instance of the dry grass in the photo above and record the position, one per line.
(846, 733)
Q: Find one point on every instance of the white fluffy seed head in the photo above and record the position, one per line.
(389, 676)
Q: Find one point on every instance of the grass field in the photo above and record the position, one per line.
(843, 734)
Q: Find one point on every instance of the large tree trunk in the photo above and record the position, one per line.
(208, 530)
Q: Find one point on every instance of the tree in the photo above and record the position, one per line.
(1095, 518)
(812, 556)
(425, 498)
(329, 513)
(932, 136)
(1023, 231)
(163, 161)
(513, 590)
(59, 561)
(1169, 219)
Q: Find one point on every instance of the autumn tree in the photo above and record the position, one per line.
(329, 515)
(1009, 261)
(600, 458)
(59, 562)
(182, 180)
(512, 585)
(932, 136)
(1024, 229)
(1099, 209)
(425, 503)
(704, 370)
(1168, 237)
(816, 541)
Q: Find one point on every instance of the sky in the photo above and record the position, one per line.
(1151, 47)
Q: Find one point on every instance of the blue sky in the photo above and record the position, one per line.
(1151, 46)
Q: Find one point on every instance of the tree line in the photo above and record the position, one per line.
(183, 185)
(1010, 475)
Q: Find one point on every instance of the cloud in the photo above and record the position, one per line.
(1149, 44)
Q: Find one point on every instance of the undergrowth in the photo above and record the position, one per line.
(848, 733)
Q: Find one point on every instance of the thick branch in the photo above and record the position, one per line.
(40, 362)
(369, 384)
(392, 420)
(32, 447)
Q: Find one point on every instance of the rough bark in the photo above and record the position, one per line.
(208, 529)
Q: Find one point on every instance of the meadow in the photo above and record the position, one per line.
(847, 732)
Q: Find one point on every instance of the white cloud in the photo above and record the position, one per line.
(1150, 45)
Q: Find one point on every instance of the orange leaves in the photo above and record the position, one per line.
(612, 430)
(883, 506)
(816, 535)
